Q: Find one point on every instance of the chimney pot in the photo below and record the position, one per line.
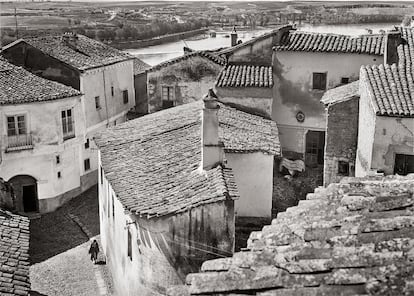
(392, 41)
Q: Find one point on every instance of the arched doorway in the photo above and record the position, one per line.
(25, 192)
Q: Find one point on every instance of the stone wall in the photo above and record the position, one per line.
(341, 139)
(6, 196)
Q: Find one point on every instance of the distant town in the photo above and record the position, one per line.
(206, 148)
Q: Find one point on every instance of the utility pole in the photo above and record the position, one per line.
(15, 19)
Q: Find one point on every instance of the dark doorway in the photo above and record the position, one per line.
(404, 164)
(29, 198)
(315, 143)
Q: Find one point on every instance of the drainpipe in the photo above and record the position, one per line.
(106, 103)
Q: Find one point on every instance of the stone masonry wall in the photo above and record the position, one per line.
(341, 139)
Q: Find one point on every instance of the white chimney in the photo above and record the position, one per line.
(211, 147)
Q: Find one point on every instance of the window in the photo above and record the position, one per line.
(87, 164)
(319, 81)
(57, 159)
(112, 90)
(315, 143)
(167, 94)
(125, 96)
(97, 103)
(404, 164)
(16, 125)
(67, 124)
(343, 168)
(87, 144)
(113, 207)
(102, 176)
(344, 80)
(129, 244)
(59, 175)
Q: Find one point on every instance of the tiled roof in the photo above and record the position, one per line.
(14, 254)
(245, 76)
(18, 86)
(341, 93)
(205, 54)
(154, 170)
(81, 53)
(351, 238)
(140, 66)
(323, 42)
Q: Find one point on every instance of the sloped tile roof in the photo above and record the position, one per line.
(140, 66)
(18, 86)
(323, 42)
(211, 56)
(351, 238)
(152, 162)
(81, 53)
(245, 76)
(14, 254)
(341, 93)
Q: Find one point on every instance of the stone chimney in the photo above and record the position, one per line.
(392, 40)
(233, 36)
(211, 147)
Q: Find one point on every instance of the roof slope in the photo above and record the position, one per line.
(18, 86)
(140, 66)
(392, 86)
(341, 93)
(78, 51)
(323, 42)
(245, 76)
(14, 254)
(351, 238)
(152, 162)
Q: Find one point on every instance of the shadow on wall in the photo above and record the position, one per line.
(34, 293)
(295, 95)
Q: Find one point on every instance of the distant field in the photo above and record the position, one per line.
(34, 21)
(384, 11)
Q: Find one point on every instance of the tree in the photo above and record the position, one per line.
(406, 22)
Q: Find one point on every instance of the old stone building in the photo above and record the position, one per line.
(247, 86)
(182, 80)
(42, 136)
(102, 73)
(140, 86)
(305, 65)
(168, 194)
(342, 112)
(351, 238)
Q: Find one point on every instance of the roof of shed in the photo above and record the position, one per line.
(324, 42)
(245, 76)
(140, 66)
(351, 238)
(18, 86)
(341, 93)
(14, 254)
(153, 162)
(81, 53)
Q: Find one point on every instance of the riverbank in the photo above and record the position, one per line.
(156, 40)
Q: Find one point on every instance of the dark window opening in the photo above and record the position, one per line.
(29, 198)
(319, 81)
(168, 98)
(113, 207)
(57, 159)
(59, 175)
(129, 244)
(344, 80)
(87, 164)
(343, 168)
(404, 164)
(97, 103)
(315, 143)
(101, 169)
(87, 144)
(125, 96)
(112, 90)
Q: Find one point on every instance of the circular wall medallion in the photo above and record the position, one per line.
(300, 116)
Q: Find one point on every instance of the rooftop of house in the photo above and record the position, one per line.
(18, 86)
(341, 93)
(209, 55)
(245, 76)
(140, 66)
(14, 254)
(77, 51)
(351, 238)
(392, 86)
(155, 170)
(325, 42)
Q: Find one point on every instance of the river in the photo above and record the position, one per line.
(153, 55)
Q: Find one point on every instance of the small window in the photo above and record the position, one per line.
(344, 80)
(168, 98)
(129, 244)
(59, 175)
(87, 164)
(16, 125)
(343, 168)
(67, 124)
(87, 144)
(125, 96)
(113, 207)
(57, 159)
(319, 81)
(97, 103)
(404, 164)
(102, 176)
(112, 90)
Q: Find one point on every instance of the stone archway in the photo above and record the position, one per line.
(25, 192)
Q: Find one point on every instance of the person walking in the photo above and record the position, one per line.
(94, 250)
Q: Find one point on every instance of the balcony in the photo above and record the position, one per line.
(19, 142)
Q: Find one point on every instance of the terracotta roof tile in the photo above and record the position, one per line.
(341, 93)
(152, 162)
(14, 254)
(323, 42)
(245, 76)
(18, 86)
(140, 66)
(78, 51)
(351, 238)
